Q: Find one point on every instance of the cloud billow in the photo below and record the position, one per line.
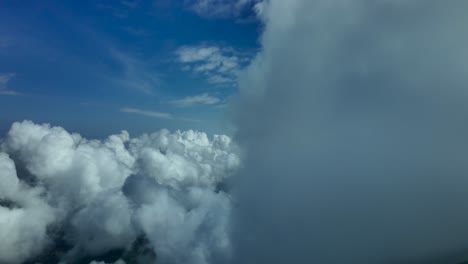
(99, 196)
(353, 119)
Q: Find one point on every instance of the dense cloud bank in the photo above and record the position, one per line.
(354, 121)
(94, 196)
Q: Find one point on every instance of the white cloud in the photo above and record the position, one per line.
(173, 230)
(219, 65)
(146, 113)
(196, 54)
(203, 99)
(25, 220)
(4, 79)
(68, 163)
(108, 218)
(219, 79)
(104, 194)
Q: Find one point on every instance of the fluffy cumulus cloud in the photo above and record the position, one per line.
(24, 215)
(219, 65)
(160, 196)
(353, 117)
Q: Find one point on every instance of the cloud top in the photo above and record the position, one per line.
(102, 195)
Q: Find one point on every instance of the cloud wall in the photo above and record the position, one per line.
(353, 119)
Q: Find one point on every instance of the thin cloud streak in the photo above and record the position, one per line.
(8, 92)
(5, 78)
(155, 114)
(201, 99)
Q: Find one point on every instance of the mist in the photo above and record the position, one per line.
(353, 118)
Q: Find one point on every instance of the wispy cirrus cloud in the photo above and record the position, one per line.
(139, 32)
(120, 9)
(156, 114)
(219, 65)
(8, 92)
(4, 79)
(149, 113)
(201, 99)
(130, 4)
(136, 74)
(114, 10)
(222, 8)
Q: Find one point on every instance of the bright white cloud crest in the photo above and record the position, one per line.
(104, 194)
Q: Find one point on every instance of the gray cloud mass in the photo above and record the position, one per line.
(353, 119)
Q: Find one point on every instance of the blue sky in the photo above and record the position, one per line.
(97, 67)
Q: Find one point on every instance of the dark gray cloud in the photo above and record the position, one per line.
(354, 122)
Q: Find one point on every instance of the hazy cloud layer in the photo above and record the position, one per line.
(353, 118)
(103, 194)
